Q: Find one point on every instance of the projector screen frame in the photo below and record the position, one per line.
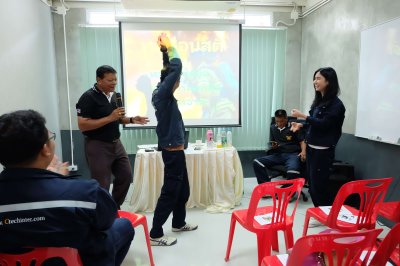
(238, 23)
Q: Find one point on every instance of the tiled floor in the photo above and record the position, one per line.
(207, 245)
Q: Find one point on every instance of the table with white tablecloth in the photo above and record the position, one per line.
(215, 178)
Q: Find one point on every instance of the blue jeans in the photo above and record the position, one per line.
(174, 193)
(319, 163)
(291, 162)
(111, 248)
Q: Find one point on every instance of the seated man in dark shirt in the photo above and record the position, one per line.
(40, 208)
(287, 148)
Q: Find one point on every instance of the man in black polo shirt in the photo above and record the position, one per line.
(287, 148)
(98, 119)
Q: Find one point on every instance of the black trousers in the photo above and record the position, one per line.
(319, 162)
(106, 159)
(174, 193)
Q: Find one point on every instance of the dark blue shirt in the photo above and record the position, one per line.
(170, 127)
(42, 208)
(288, 141)
(324, 125)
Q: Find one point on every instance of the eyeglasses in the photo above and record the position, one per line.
(53, 136)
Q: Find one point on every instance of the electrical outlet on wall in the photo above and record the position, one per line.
(73, 168)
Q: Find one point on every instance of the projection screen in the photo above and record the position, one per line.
(209, 92)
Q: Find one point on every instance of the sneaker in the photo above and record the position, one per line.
(314, 223)
(186, 227)
(163, 241)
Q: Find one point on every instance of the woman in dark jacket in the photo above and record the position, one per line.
(323, 127)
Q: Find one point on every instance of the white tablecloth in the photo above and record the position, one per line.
(215, 178)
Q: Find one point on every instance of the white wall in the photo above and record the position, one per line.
(27, 60)
(331, 37)
(291, 95)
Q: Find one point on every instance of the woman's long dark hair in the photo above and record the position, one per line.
(331, 91)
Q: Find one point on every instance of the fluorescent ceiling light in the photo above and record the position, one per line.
(100, 17)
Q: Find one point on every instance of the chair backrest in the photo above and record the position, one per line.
(391, 211)
(388, 245)
(280, 200)
(371, 192)
(39, 255)
(339, 248)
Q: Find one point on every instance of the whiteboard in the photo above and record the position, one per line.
(378, 102)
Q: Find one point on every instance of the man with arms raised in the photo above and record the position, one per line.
(170, 131)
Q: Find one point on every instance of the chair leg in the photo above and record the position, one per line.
(289, 238)
(263, 246)
(274, 241)
(230, 239)
(147, 236)
(305, 226)
(137, 219)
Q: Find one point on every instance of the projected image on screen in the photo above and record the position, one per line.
(209, 89)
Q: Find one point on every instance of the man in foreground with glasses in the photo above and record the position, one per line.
(42, 208)
(56, 165)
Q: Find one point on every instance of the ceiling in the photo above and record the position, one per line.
(229, 7)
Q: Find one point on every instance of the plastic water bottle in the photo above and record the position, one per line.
(223, 138)
(229, 138)
(219, 139)
(210, 138)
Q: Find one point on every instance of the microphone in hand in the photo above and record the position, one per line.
(119, 100)
(120, 105)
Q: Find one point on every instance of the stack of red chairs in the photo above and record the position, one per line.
(338, 248)
(371, 194)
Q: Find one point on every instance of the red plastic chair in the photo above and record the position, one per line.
(39, 255)
(342, 249)
(388, 249)
(138, 219)
(280, 220)
(390, 210)
(371, 193)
